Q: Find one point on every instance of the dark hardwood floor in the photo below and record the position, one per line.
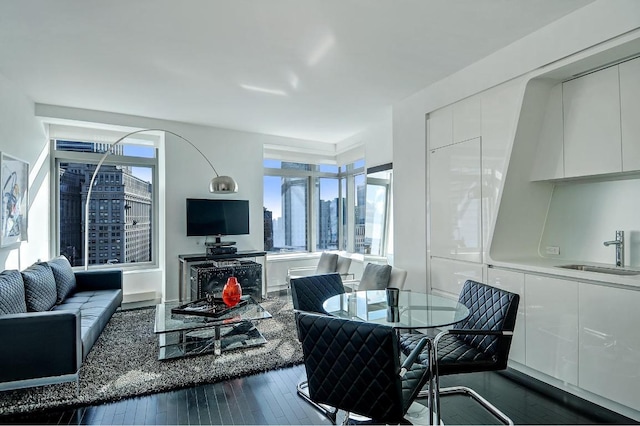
(270, 398)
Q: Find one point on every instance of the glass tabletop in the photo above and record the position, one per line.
(414, 311)
(166, 321)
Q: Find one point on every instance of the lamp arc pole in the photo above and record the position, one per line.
(218, 185)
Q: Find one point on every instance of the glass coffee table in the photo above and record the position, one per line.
(182, 335)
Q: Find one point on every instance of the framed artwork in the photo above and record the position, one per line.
(14, 177)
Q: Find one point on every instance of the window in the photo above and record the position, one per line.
(378, 212)
(125, 206)
(305, 206)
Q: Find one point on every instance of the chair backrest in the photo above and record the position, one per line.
(344, 263)
(491, 309)
(352, 365)
(375, 277)
(328, 263)
(397, 278)
(308, 293)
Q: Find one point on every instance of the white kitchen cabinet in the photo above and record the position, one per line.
(549, 160)
(551, 334)
(456, 201)
(591, 108)
(610, 343)
(630, 114)
(456, 123)
(441, 127)
(513, 282)
(467, 119)
(448, 276)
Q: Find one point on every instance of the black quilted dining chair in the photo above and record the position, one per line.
(481, 342)
(355, 366)
(308, 294)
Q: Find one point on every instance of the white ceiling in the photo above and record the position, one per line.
(310, 69)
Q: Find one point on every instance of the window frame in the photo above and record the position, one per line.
(60, 156)
(345, 173)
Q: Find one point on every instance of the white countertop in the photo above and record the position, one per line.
(549, 266)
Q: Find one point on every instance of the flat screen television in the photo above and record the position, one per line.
(206, 217)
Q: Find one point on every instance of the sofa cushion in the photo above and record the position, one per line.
(39, 287)
(12, 299)
(65, 278)
(96, 308)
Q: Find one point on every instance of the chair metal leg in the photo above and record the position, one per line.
(463, 390)
(329, 412)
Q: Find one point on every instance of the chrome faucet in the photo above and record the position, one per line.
(619, 243)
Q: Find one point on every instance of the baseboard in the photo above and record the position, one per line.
(604, 415)
(138, 296)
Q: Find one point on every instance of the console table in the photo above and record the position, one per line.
(189, 260)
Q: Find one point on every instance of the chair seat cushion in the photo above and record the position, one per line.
(412, 383)
(454, 355)
(96, 309)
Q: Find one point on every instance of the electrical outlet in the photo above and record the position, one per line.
(553, 250)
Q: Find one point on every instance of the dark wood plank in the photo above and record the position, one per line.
(271, 398)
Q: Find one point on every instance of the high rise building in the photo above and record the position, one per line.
(120, 211)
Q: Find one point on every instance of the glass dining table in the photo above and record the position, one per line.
(415, 311)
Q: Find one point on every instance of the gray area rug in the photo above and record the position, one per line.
(124, 362)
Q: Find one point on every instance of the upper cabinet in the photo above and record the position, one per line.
(467, 119)
(630, 114)
(592, 137)
(591, 125)
(441, 128)
(456, 123)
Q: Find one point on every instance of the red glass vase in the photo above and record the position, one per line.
(231, 292)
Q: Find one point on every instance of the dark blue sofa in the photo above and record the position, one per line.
(49, 346)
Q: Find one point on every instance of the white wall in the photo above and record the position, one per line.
(22, 136)
(186, 174)
(377, 143)
(595, 23)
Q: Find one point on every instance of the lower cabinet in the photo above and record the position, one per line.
(551, 311)
(610, 343)
(584, 334)
(514, 282)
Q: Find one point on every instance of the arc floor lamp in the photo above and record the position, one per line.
(218, 185)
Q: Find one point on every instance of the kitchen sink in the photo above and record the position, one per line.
(601, 269)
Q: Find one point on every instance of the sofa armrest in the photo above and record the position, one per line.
(99, 280)
(39, 344)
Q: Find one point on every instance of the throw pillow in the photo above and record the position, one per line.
(12, 293)
(375, 277)
(39, 287)
(65, 278)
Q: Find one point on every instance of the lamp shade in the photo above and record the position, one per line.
(223, 185)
